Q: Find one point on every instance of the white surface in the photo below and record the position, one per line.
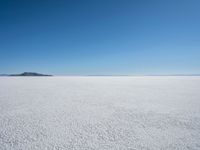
(101, 113)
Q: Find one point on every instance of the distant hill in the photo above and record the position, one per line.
(29, 74)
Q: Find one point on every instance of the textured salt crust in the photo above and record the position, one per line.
(99, 113)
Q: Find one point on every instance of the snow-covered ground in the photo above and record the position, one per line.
(100, 113)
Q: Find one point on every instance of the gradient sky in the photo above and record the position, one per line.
(85, 37)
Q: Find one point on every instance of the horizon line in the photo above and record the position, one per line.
(198, 74)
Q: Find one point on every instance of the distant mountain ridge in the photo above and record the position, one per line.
(29, 74)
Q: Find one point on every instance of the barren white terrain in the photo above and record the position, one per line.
(100, 113)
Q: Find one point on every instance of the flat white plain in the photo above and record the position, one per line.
(100, 113)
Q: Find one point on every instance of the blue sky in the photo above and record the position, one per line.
(84, 37)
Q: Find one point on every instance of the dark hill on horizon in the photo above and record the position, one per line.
(29, 74)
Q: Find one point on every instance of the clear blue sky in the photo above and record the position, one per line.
(80, 37)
